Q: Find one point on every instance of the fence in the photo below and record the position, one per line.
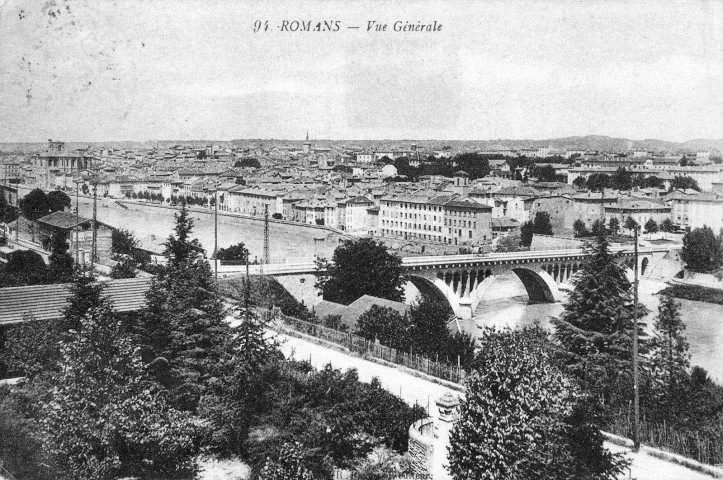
(347, 475)
(361, 345)
(703, 448)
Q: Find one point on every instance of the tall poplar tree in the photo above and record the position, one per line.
(596, 326)
(669, 359)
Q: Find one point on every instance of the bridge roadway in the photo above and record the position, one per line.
(460, 280)
(411, 263)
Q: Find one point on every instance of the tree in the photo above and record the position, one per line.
(126, 249)
(429, 332)
(545, 173)
(701, 250)
(509, 243)
(631, 224)
(651, 226)
(289, 465)
(598, 181)
(229, 402)
(526, 233)
(667, 225)
(542, 223)
(33, 206)
(580, 229)
(24, 267)
(518, 418)
(598, 228)
(58, 200)
(580, 182)
(124, 268)
(60, 269)
(684, 183)
(614, 226)
(102, 419)
(475, 164)
(234, 253)
(249, 162)
(181, 332)
(669, 357)
(386, 325)
(596, 326)
(360, 267)
(622, 179)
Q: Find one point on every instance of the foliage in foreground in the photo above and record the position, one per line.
(423, 331)
(523, 417)
(336, 418)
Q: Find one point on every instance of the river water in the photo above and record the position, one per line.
(153, 225)
(504, 302)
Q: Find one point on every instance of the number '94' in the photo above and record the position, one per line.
(259, 25)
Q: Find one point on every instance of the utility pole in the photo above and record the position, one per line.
(636, 381)
(94, 247)
(215, 231)
(77, 220)
(266, 234)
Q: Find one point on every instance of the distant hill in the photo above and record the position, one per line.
(588, 142)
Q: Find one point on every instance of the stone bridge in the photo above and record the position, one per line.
(460, 280)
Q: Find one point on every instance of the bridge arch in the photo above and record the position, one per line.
(433, 290)
(644, 265)
(540, 285)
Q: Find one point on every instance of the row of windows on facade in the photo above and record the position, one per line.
(429, 208)
(425, 226)
(434, 238)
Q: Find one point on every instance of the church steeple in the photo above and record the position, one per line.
(307, 135)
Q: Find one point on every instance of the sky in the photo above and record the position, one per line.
(79, 70)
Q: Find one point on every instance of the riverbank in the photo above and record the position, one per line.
(697, 293)
(153, 223)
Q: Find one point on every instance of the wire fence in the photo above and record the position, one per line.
(363, 346)
(693, 444)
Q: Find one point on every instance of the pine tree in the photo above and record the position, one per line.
(669, 359)
(182, 332)
(596, 326)
(102, 419)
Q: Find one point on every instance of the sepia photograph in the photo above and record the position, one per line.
(361, 240)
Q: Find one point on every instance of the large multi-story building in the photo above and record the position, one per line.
(640, 210)
(695, 210)
(353, 213)
(57, 160)
(449, 219)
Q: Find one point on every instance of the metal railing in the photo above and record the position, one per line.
(363, 346)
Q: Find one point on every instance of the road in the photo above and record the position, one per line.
(418, 390)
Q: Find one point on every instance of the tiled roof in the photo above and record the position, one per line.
(64, 220)
(46, 302)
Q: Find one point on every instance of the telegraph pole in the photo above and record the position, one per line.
(636, 381)
(95, 222)
(77, 220)
(215, 232)
(266, 234)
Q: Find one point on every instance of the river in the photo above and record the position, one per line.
(504, 302)
(153, 225)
